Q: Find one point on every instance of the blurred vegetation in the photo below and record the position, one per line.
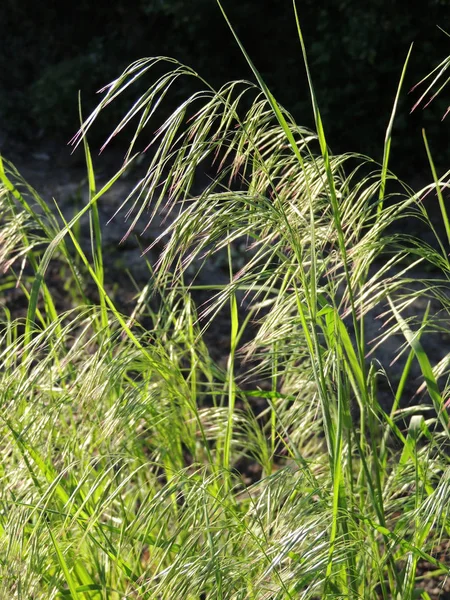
(52, 50)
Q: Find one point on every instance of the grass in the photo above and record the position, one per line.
(135, 466)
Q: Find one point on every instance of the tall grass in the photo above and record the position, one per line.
(134, 465)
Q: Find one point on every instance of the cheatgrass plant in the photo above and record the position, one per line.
(134, 466)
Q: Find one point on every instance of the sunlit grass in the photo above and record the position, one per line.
(134, 465)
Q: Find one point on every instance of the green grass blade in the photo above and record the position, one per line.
(425, 367)
(65, 568)
(438, 191)
(388, 137)
(38, 282)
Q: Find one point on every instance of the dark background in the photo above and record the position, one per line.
(356, 50)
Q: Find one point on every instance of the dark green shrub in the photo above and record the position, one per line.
(356, 52)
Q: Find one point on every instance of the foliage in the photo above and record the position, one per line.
(356, 52)
(126, 449)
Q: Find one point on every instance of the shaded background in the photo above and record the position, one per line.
(50, 50)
